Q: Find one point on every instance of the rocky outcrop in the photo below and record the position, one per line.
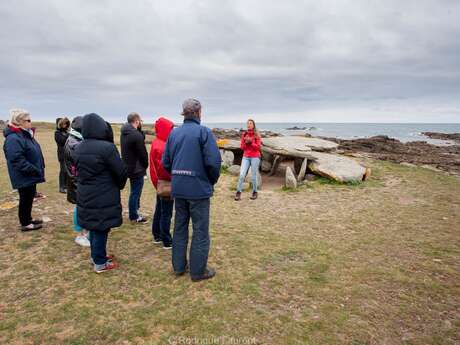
(295, 128)
(235, 134)
(443, 136)
(420, 153)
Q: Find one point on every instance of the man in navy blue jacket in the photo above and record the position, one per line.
(193, 159)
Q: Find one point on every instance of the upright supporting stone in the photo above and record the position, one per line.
(227, 158)
(303, 171)
(297, 165)
(291, 182)
(276, 164)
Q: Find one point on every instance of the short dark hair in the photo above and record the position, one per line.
(191, 108)
(194, 115)
(133, 117)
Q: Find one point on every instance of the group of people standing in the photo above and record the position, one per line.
(184, 165)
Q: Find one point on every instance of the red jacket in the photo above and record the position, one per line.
(163, 128)
(251, 150)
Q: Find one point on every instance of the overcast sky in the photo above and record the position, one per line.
(276, 61)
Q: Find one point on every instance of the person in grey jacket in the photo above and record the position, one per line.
(73, 141)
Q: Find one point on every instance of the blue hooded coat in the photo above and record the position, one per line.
(26, 165)
(193, 159)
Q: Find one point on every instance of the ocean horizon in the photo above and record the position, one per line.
(405, 132)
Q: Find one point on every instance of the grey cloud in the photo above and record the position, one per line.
(295, 60)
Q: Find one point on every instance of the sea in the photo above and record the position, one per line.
(404, 132)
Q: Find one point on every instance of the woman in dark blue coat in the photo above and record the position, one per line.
(101, 176)
(26, 165)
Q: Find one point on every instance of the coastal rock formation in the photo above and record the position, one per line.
(295, 128)
(443, 136)
(291, 181)
(446, 158)
(235, 134)
(335, 167)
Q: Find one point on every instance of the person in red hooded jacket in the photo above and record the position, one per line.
(164, 207)
(250, 144)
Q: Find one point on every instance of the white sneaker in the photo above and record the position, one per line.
(82, 241)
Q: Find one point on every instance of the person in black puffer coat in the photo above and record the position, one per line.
(101, 176)
(74, 139)
(60, 136)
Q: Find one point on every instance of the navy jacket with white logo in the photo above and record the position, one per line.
(193, 159)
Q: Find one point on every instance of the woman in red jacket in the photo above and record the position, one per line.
(250, 144)
(164, 207)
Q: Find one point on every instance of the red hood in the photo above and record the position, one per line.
(163, 128)
(13, 129)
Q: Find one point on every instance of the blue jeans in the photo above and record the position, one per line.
(162, 221)
(134, 203)
(76, 226)
(98, 241)
(198, 212)
(245, 164)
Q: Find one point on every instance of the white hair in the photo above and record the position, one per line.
(18, 115)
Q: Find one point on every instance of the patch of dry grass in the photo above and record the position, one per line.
(330, 264)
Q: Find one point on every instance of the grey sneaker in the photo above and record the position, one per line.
(140, 220)
(109, 265)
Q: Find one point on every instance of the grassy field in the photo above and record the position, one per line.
(377, 263)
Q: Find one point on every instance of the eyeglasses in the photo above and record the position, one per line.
(28, 120)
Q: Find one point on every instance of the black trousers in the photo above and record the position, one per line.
(62, 176)
(26, 199)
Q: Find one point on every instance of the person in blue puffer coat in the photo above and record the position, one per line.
(26, 165)
(193, 159)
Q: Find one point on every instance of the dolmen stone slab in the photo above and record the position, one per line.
(296, 146)
(229, 144)
(339, 168)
